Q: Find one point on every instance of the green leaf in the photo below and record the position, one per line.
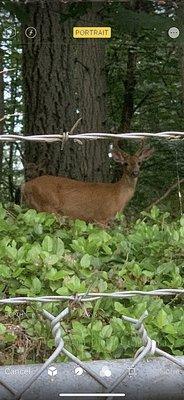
(80, 329)
(58, 275)
(33, 254)
(9, 337)
(102, 285)
(120, 308)
(38, 228)
(37, 285)
(47, 244)
(162, 319)
(80, 226)
(97, 326)
(8, 310)
(2, 329)
(170, 329)
(22, 290)
(176, 236)
(62, 291)
(107, 249)
(117, 325)
(5, 271)
(74, 284)
(112, 344)
(106, 331)
(182, 221)
(78, 245)
(58, 246)
(155, 212)
(11, 252)
(85, 261)
(50, 260)
(30, 216)
(2, 212)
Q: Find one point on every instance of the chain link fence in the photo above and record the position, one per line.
(149, 346)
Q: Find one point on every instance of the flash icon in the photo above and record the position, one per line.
(30, 32)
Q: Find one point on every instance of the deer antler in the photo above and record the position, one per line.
(141, 147)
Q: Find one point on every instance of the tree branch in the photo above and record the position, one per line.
(143, 99)
(4, 71)
(165, 194)
(10, 115)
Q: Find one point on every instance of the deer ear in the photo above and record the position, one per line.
(118, 156)
(145, 154)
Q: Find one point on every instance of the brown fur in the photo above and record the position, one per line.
(92, 202)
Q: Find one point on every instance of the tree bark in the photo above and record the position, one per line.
(64, 79)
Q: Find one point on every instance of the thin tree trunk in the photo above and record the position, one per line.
(63, 79)
(128, 104)
(12, 127)
(129, 90)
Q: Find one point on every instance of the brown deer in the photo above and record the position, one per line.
(89, 201)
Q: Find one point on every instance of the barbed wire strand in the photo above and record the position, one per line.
(89, 136)
(93, 296)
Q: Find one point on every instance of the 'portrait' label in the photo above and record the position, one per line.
(91, 32)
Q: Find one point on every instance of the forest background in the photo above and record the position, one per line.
(133, 82)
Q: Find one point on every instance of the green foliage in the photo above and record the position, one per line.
(10, 165)
(75, 11)
(15, 9)
(157, 99)
(134, 22)
(40, 256)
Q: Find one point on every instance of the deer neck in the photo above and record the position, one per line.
(128, 182)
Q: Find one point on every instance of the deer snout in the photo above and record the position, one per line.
(135, 173)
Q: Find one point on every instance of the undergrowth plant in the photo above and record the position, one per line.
(41, 255)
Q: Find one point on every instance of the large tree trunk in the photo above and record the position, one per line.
(63, 80)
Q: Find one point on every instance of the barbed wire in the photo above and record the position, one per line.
(65, 136)
(82, 297)
(149, 346)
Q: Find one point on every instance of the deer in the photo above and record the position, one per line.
(93, 202)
